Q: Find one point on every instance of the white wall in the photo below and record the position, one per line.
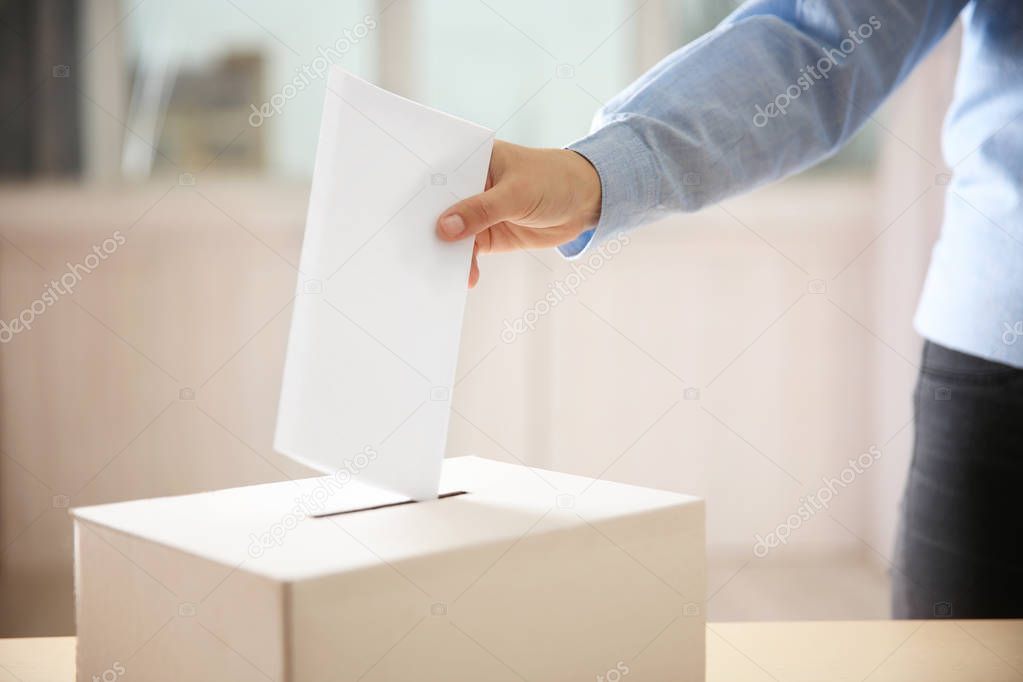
(198, 298)
(91, 402)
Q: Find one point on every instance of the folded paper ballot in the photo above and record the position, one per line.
(378, 312)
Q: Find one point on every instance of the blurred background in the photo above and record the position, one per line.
(744, 354)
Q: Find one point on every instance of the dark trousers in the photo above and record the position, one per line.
(959, 552)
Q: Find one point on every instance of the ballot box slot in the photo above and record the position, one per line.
(442, 496)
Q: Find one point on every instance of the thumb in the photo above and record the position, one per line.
(475, 214)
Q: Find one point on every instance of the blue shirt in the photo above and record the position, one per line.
(782, 84)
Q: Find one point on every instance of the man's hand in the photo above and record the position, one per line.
(534, 199)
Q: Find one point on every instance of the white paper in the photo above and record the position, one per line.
(378, 314)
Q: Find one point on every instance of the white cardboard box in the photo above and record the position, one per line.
(529, 575)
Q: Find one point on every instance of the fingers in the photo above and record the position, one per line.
(474, 269)
(475, 214)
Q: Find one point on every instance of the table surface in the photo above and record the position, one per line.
(906, 651)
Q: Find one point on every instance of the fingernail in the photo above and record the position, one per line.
(452, 225)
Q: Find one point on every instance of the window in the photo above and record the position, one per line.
(536, 71)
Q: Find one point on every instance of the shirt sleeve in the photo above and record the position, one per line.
(775, 88)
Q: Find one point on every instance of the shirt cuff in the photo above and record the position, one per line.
(628, 183)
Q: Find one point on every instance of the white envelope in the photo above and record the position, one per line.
(378, 313)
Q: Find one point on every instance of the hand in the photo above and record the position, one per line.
(534, 199)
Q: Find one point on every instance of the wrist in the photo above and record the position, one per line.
(585, 188)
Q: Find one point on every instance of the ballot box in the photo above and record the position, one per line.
(514, 573)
